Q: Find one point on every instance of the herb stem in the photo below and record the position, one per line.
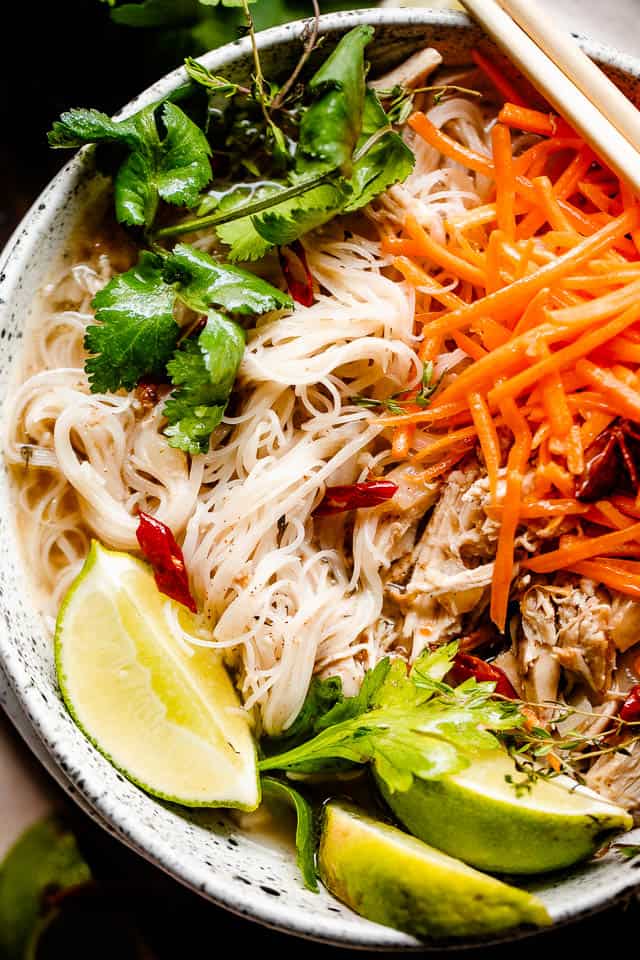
(309, 47)
(248, 210)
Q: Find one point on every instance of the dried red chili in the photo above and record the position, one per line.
(465, 666)
(630, 709)
(612, 463)
(355, 495)
(159, 547)
(293, 262)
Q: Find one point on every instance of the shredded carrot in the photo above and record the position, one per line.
(540, 288)
(440, 255)
(402, 440)
(503, 85)
(586, 548)
(533, 121)
(625, 398)
(611, 574)
(505, 180)
(487, 438)
(516, 464)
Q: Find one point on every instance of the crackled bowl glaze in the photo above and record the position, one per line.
(205, 850)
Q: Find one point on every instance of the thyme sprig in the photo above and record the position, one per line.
(401, 99)
(397, 402)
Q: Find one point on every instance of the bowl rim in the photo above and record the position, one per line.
(120, 822)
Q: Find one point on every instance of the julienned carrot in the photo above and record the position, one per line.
(443, 465)
(611, 575)
(444, 442)
(516, 295)
(505, 180)
(626, 399)
(563, 358)
(554, 213)
(440, 255)
(516, 465)
(539, 509)
(502, 84)
(419, 278)
(402, 441)
(470, 347)
(587, 547)
(532, 121)
(487, 438)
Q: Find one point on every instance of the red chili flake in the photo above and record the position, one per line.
(293, 261)
(165, 556)
(355, 495)
(630, 709)
(465, 665)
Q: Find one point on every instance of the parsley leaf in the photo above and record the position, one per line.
(321, 697)
(136, 333)
(203, 371)
(331, 126)
(175, 168)
(408, 729)
(305, 832)
(285, 223)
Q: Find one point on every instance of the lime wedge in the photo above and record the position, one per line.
(477, 815)
(392, 878)
(163, 713)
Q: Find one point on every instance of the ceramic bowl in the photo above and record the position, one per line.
(205, 850)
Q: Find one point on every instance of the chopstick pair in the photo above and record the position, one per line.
(568, 79)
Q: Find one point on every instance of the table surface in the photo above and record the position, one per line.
(26, 790)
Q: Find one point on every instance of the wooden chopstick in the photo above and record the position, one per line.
(567, 55)
(589, 120)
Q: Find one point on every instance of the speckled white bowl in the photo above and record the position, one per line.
(203, 849)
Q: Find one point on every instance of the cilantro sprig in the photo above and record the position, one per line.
(405, 726)
(137, 335)
(174, 167)
(346, 153)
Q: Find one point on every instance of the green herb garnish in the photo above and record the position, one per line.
(406, 726)
(396, 404)
(305, 832)
(174, 168)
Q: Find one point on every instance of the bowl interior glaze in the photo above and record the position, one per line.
(204, 849)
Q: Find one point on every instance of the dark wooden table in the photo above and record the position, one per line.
(56, 56)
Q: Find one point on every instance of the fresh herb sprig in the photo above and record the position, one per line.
(346, 154)
(398, 402)
(405, 726)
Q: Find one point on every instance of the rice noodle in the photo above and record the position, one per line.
(282, 598)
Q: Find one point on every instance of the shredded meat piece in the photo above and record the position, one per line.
(398, 519)
(584, 644)
(616, 777)
(534, 648)
(410, 73)
(624, 622)
(453, 563)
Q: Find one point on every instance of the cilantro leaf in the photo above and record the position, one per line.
(175, 168)
(321, 697)
(305, 833)
(221, 285)
(136, 333)
(408, 730)
(387, 161)
(203, 371)
(285, 223)
(331, 126)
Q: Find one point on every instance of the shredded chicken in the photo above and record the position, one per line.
(624, 622)
(584, 644)
(534, 649)
(616, 777)
(411, 73)
(452, 563)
